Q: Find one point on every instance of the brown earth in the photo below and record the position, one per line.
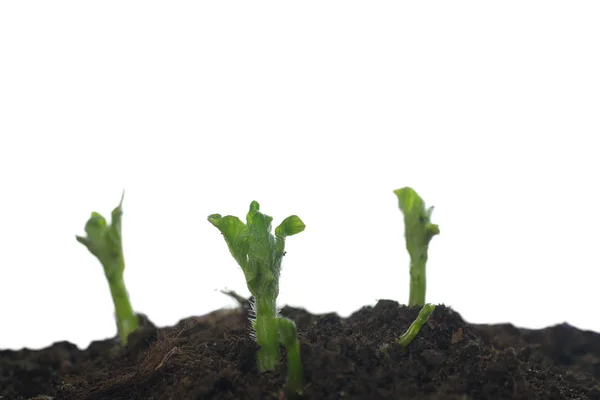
(213, 357)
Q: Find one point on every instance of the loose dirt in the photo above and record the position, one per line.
(213, 357)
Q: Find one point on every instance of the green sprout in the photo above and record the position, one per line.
(289, 339)
(104, 242)
(415, 327)
(259, 253)
(413, 330)
(418, 231)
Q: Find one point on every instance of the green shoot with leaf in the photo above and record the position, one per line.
(259, 254)
(418, 231)
(105, 242)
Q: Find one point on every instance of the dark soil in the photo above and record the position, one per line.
(213, 357)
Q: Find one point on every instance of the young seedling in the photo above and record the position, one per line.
(418, 231)
(104, 242)
(259, 253)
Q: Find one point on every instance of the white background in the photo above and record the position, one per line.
(320, 109)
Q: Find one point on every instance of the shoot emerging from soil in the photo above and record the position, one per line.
(259, 253)
(104, 242)
(289, 339)
(413, 330)
(418, 231)
(415, 327)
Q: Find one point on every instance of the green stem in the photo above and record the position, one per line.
(415, 327)
(267, 333)
(418, 232)
(127, 321)
(418, 282)
(289, 338)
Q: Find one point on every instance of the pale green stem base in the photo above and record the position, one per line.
(127, 321)
(267, 334)
(418, 283)
(289, 338)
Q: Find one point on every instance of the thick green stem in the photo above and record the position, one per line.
(127, 321)
(267, 333)
(418, 279)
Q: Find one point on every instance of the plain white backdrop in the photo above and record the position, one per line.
(320, 109)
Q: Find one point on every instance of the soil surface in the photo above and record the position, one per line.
(213, 357)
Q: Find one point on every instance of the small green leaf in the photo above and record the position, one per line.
(96, 228)
(116, 217)
(236, 236)
(416, 217)
(429, 211)
(259, 223)
(104, 241)
(290, 226)
(260, 240)
(409, 201)
(254, 206)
